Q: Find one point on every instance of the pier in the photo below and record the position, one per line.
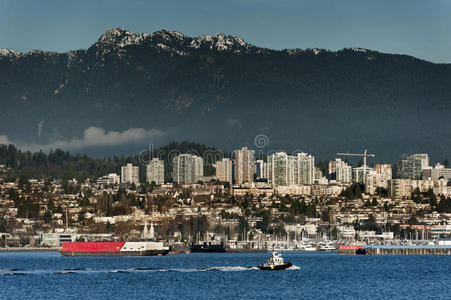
(396, 249)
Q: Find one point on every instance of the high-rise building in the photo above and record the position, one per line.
(278, 169)
(187, 168)
(334, 164)
(155, 171)
(380, 177)
(306, 171)
(130, 174)
(260, 169)
(244, 165)
(412, 166)
(360, 172)
(344, 173)
(287, 170)
(224, 170)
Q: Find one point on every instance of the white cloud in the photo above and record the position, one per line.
(4, 140)
(95, 137)
(234, 123)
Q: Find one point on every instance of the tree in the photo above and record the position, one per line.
(432, 199)
(243, 228)
(374, 202)
(381, 192)
(263, 225)
(51, 205)
(444, 206)
(412, 220)
(416, 195)
(326, 215)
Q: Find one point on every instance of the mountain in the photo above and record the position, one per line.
(128, 90)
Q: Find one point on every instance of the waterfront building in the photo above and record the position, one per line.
(224, 170)
(244, 165)
(155, 171)
(130, 174)
(187, 168)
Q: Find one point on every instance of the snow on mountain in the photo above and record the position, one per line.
(9, 52)
(219, 41)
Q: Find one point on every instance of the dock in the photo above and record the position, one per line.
(395, 249)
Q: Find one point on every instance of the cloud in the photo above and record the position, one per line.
(95, 137)
(234, 123)
(4, 140)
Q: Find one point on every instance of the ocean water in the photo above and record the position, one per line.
(47, 275)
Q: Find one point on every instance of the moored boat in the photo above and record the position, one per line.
(208, 247)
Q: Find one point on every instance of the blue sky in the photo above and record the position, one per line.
(421, 28)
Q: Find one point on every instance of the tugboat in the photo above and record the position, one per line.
(275, 262)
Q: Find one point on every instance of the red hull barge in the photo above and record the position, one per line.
(114, 249)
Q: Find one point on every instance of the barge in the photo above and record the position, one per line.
(114, 249)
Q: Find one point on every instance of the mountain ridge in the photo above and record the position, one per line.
(115, 38)
(219, 90)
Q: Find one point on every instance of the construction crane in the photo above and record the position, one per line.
(364, 155)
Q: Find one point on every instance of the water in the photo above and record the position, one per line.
(225, 275)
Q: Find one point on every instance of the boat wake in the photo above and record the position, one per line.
(293, 267)
(65, 271)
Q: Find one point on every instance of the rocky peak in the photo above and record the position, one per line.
(219, 41)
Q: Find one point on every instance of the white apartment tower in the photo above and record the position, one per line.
(306, 170)
(344, 173)
(244, 165)
(278, 169)
(130, 174)
(224, 170)
(155, 171)
(287, 170)
(187, 168)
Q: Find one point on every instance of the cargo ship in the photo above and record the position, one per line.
(114, 249)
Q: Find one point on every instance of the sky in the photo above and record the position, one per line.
(421, 28)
